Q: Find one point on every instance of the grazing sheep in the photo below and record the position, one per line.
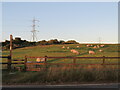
(68, 47)
(40, 60)
(71, 50)
(88, 45)
(98, 46)
(100, 50)
(78, 46)
(91, 52)
(74, 51)
(95, 47)
(102, 45)
(63, 46)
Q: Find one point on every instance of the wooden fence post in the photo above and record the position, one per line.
(74, 60)
(10, 56)
(11, 45)
(9, 63)
(45, 62)
(25, 63)
(45, 59)
(103, 59)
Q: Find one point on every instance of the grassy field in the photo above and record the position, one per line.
(57, 50)
(65, 75)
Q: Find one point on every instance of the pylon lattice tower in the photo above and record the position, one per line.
(100, 40)
(34, 35)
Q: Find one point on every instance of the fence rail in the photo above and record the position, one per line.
(4, 56)
(19, 60)
(9, 61)
(68, 64)
(32, 64)
(28, 64)
(79, 57)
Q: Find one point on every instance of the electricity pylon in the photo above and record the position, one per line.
(34, 35)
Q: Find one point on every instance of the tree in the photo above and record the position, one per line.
(71, 42)
(43, 42)
(61, 42)
(53, 41)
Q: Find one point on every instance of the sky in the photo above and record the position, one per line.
(80, 21)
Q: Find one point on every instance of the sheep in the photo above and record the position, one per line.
(74, 51)
(91, 52)
(88, 45)
(95, 47)
(68, 47)
(100, 50)
(63, 46)
(40, 60)
(71, 50)
(91, 45)
(78, 46)
(98, 46)
(102, 45)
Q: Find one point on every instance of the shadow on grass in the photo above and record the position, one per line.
(60, 58)
(66, 56)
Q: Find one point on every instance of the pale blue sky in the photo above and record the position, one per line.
(80, 21)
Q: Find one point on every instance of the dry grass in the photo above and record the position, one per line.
(62, 75)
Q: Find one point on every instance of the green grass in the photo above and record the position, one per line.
(56, 50)
(110, 50)
(61, 75)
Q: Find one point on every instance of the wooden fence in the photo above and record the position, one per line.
(27, 64)
(10, 63)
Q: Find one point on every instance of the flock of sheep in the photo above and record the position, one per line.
(89, 45)
(75, 51)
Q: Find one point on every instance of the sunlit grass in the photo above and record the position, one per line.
(54, 74)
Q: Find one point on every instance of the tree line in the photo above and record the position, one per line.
(18, 43)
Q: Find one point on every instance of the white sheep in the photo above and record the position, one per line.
(91, 45)
(100, 50)
(98, 46)
(91, 52)
(78, 46)
(102, 45)
(63, 46)
(74, 51)
(68, 47)
(95, 47)
(40, 60)
(88, 45)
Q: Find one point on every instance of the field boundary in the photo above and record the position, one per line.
(45, 63)
(31, 65)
